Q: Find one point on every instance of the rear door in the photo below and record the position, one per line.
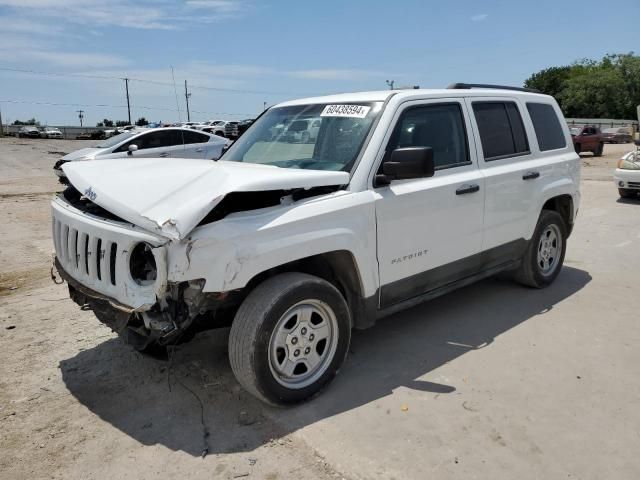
(191, 144)
(429, 230)
(511, 175)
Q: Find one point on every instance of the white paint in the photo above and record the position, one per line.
(374, 225)
(171, 196)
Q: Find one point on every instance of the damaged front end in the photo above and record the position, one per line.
(119, 271)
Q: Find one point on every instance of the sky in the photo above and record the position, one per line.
(238, 54)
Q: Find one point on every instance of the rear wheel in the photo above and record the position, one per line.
(599, 149)
(289, 337)
(627, 193)
(544, 256)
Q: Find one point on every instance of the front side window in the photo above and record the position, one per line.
(440, 127)
(288, 137)
(547, 126)
(157, 139)
(501, 130)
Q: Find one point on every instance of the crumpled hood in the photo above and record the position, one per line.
(171, 196)
(82, 154)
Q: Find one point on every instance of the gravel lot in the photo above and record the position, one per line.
(493, 381)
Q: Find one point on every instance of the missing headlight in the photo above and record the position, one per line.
(142, 264)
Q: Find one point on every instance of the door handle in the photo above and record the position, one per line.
(163, 154)
(467, 188)
(530, 175)
(199, 149)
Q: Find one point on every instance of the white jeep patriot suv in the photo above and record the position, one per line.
(401, 197)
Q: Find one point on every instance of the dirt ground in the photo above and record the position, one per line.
(494, 381)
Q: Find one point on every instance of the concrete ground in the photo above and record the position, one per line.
(493, 381)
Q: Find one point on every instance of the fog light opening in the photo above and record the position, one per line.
(142, 265)
(621, 183)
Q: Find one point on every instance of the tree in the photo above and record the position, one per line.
(550, 80)
(121, 123)
(31, 121)
(609, 88)
(141, 122)
(107, 123)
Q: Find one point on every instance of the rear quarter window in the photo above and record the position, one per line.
(547, 126)
(501, 130)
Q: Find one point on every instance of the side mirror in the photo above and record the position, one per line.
(132, 148)
(637, 142)
(410, 162)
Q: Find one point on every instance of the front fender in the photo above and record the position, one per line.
(232, 251)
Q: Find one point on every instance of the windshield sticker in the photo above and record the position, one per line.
(352, 111)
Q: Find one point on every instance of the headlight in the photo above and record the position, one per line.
(142, 264)
(625, 164)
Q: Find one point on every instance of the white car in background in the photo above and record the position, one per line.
(50, 132)
(150, 142)
(627, 175)
(215, 127)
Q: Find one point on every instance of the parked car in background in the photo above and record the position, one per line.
(587, 139)
(231, 130)
(28, 132)
(151, 142)
(302, 131)
(215, 127)
(244, 125)
(627, 175)
(50, 132)
(616, 135)
(95, 135)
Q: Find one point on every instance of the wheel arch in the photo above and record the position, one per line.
(338, 267)
(563, 204)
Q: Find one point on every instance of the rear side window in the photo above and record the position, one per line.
(547, 126)
(501, 129)
(193, 137)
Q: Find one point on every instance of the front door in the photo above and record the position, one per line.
(429, 230)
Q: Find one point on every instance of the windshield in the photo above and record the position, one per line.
(610, 130)
(110, 142)
(575, 130)
(313, 137)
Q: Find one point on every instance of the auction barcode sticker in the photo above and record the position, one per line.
(353, 111)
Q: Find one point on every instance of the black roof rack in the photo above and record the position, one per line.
(462, 86)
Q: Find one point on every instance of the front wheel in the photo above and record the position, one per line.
(289, 337)
(544, 256)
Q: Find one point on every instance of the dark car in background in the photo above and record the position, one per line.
(29, 132)
(243, 125)
(587, 138)
(617, 135)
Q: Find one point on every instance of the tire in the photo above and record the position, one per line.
(220, 134)
(577, 148)
(531, 272)
(305, 137)
(627, 193)
(598, 151)
(258, 354)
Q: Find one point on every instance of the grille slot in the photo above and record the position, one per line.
(99, 258)
(634, 184)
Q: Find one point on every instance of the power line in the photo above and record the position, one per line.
(103, 105)
(154, 82)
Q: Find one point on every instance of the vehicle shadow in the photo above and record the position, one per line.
(131, 392)
(629, 201)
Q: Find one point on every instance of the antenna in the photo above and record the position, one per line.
(175, 90)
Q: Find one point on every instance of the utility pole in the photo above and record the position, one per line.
(80, 115)
(186, 97)
(126, 86)
(1, 126)
(264, 106)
